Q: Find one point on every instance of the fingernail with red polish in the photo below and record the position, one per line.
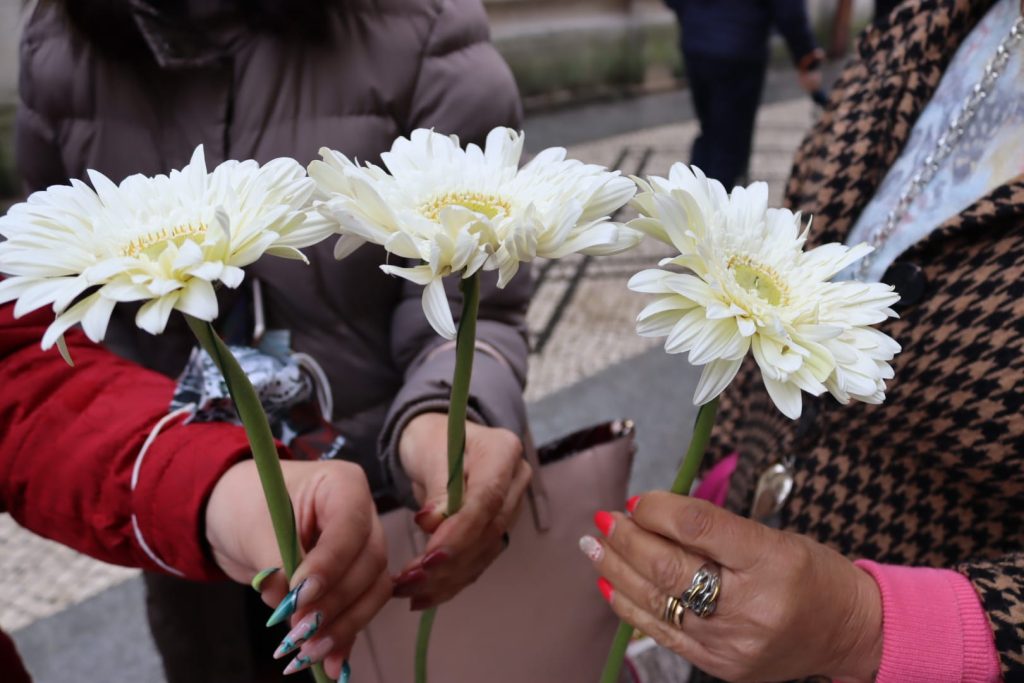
(631, 504)
(419, 604)
(606, 589)
(407, 583)
(435, 558)
(604, 522)
(424, 512)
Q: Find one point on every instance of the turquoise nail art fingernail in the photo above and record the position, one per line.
(287, 606)
(300, 663)
(257, 581)
(302, 632)
(346, 671)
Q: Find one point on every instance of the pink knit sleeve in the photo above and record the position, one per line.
(934, 629)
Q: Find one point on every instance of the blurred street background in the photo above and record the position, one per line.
(602, 78)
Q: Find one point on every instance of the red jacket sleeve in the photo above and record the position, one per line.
(69, 439)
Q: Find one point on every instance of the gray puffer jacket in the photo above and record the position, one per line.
(379, 69)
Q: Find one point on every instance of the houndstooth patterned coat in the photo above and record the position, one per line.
(935, 476)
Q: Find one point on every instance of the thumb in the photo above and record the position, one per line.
(434, 494)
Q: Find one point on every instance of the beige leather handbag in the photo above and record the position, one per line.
(535, 616)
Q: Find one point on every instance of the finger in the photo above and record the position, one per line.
(702, 528)
(645, 566)
(490, 468)
(337, 637)
(444, 583)
(271, 584)
(441, 568)
(516, 494)
(338, 504)
(665, 634)
(319, 616)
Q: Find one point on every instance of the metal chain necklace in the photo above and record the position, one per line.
(946, 143)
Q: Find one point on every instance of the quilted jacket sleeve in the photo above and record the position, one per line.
(70, 438)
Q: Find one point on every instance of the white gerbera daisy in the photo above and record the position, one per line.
(460, 211)
(164, 240)
(743, 283)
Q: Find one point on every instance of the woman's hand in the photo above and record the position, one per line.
(462, 546)
(788, 607)
(341, 583)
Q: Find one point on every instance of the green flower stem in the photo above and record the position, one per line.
(264, 452)
(423, 643)
(682, 484)
(465, 347)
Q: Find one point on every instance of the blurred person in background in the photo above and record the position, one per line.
(726, 50)
(900, 552)
(133, 87)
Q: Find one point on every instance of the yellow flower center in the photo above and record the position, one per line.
(177, 234)
(759, 279)
(487, 204)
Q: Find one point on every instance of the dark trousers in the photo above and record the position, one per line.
(213, 632)
(726, 94)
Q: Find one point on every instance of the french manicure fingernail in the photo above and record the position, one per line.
(631, 504)
(604, 522)
(303, 631)
(435, 557)
(605, 588)
(591, 547)
(307, 590)
(257, 581)
(346, 672)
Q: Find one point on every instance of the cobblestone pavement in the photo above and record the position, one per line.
(581, 322)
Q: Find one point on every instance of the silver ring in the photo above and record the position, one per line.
(702, 595)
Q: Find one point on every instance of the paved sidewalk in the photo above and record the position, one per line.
(78, 619)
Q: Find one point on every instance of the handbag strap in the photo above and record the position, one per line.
(537, 493)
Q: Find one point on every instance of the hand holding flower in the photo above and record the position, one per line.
(461, 547)
(343, 577)
(789, 607)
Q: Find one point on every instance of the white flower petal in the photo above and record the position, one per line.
(199, 300)
(435, 306)
(715, 377)
(651, 281)
(421, 275)
(152, 316)
(785, 396)
(97, 316)
(346, 245)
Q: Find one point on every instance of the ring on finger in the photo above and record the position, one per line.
(674, 611)
(702, 595)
